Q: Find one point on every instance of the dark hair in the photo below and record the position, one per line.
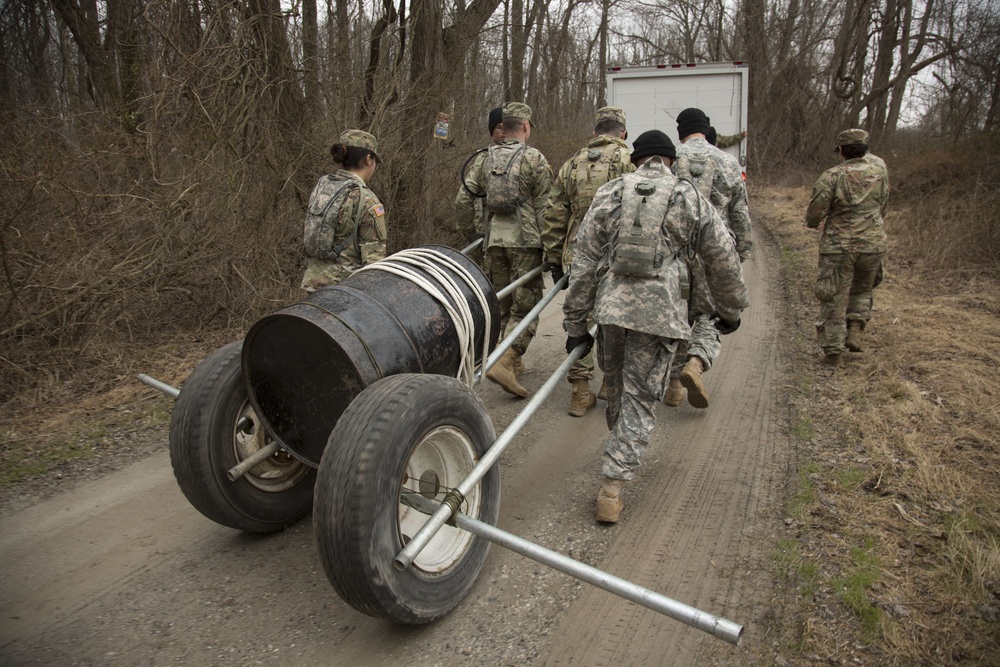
(851, 151)
(349, 157)
(609, 127)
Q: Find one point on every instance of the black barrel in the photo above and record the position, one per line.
(304, 364)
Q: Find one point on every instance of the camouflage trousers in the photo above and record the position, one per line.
(583, 368)
(635, 366)
(505, 266)
(844, 288)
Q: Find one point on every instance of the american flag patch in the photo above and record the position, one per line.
(378, 209)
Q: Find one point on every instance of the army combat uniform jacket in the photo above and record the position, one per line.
(603, 159)
(522, 227)
(849, 200)
(344, 229)
(689, 227)
(728, 194)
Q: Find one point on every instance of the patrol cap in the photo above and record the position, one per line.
(852, 136)
(496, 117)
(517, 110)
(652, 142)
(605, 114)
(360, 139)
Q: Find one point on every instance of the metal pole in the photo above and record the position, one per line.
(520, 281)
(472, 246)
(696, 618)
(251, 461)
(172, 392)
(533, 314)
(441, 516)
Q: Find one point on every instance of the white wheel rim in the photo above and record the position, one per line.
(277, 473)
(442, 459)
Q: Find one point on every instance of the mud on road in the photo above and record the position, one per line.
(123, 571)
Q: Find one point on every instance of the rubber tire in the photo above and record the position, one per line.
(355, 516)
(202, 432)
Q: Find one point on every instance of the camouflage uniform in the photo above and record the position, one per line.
(642, 320)
(728, 194)
(359, 204)
(727, 140)
(603, 159)
(848, 203)
(513, 240)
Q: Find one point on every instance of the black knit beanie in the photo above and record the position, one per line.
(496, 117)
(712, 137)
(692, 121)
(652, 142)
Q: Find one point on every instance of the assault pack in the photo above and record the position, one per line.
(699, 167)
(503, 171)
(319, 233)
(593, 170)
(642, 245)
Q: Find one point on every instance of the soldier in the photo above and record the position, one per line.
(604, 158)
(848, 204)
(718, 177)
(630, 267)
(515, 179)
(345, 222)
(495, 128)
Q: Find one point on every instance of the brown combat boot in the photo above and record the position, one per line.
(602, 393)
(609, 500)
(691, 379)
(833, 359)
(853, 340)
(503, 374)
(581, 400)
(675, 393)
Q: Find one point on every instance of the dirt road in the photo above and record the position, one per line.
(123, 571)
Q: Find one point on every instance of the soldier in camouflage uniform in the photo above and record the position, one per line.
(495, 128)
(848, 204)
(718, 177)
(604, 158)
(631, 271)
(345, 222)
(515, 179)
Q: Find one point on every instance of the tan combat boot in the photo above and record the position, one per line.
(581, 400)
(853, 340)
(503, 374)
(675, 393)
(518, 365)
(609, 500)
(691, 379)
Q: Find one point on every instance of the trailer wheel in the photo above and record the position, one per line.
(419, 434)
(207, 438)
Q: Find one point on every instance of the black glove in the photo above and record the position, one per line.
(473, 237)
(557, 274)
(726, 327)
(573, 342)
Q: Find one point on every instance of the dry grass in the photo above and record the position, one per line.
(898, 549)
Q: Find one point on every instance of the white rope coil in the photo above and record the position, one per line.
(447, 291)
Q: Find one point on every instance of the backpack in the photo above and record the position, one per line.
(319, 232)
(503, 170)
(641, 246)
(699, 167)
(593, 170)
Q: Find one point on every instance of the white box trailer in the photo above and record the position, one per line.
(652, 96)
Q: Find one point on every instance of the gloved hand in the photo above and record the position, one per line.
(572, 342)
(473, 237)
(725, 327)
(557, 274)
